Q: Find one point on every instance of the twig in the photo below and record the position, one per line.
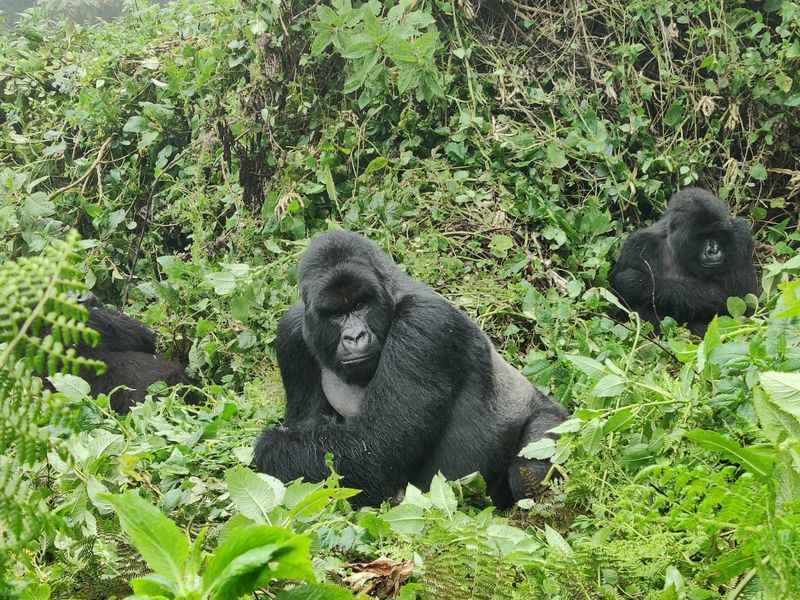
(734, 593)
(88, 172)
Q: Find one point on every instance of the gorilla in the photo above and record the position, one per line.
(687, 263)
(397, 383)
(128, 348)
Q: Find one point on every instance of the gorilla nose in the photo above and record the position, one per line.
(355, 339)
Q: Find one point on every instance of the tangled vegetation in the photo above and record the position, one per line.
(499, 150)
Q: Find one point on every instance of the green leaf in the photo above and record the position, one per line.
(415, 496)
(508, 539)
(358, 46)
(252, 555)
(586, 365)
(736, 307)
(783, 390)
(153, 586)
(759, 465)
(135, 124)
(609, 386)
(327, 179)
(592, 437)
(684, 351)
(784, 82)
(254, 494)
(758, 172)
(443, 496)
(315, 502)
(556, 541)
(406, 519)
(568, 426)
(162, 545)
(37, 206)
(317, 591)
(777, 424)
(72, 387)
(376, 164)
(148, 137)
(54, 150)
(674, 114)
(500, 245)
(618, 420)
(673, 580)
(556, 159)
(359, 76)
(321, 42)
(539, 450)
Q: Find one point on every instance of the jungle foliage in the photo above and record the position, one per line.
(499, 150)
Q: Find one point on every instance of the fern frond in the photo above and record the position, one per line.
(39, 317)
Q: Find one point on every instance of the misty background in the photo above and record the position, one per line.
(78, 11)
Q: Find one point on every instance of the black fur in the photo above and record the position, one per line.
(128, 348)
(436, 397)
(688, 263)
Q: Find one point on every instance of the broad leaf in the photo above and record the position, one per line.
(442, 495)
(163, 546)
(406, 519)
(254, 494)
(252, 555)
(609, 386)
(556, 541)
(783, 390)
(317, 591)
(758, 464)
(539, 450)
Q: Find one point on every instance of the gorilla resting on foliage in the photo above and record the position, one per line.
(397, 383)
(688, 263)
(128, 349)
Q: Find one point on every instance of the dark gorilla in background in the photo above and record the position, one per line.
(397, 383)
(688, 263)
(128, 348)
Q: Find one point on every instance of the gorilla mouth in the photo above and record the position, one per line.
(357, 360)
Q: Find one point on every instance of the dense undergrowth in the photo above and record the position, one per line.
(499, 151)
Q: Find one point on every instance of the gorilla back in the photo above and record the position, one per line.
(128, 348)
(396, 382)
(687, 263)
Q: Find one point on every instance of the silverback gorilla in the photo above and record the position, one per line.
(688, 263)
(396, 382)
(128, 348)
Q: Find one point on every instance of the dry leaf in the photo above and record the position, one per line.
(382, 577)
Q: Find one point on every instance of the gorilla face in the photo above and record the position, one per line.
(347, 319)
(701, 235)
(712, 254)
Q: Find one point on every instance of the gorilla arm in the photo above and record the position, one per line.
(299, 371)
(633, 274)
(406, 408)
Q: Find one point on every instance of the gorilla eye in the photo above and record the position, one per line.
(359, 306)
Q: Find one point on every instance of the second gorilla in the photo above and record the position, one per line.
(397, 383)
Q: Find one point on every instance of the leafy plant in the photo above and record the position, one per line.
(383, 45)
(36, 302)
(248, 557)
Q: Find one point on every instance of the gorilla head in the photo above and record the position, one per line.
(348, 305)
(687, 263)
(702, 236)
